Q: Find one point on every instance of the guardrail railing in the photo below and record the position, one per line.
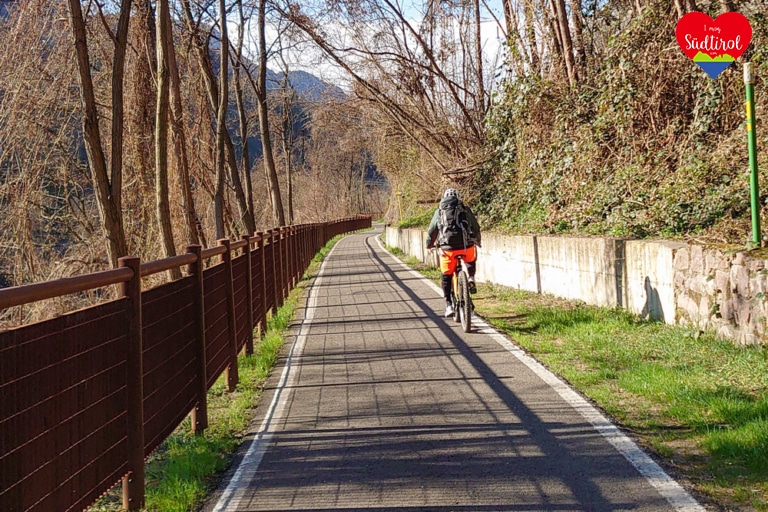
(85, 397)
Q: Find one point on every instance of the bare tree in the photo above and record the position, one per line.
(140, 126)
(339, 156)
(424, 79)
(287, 138)
(266, 142)
(201, 43)
(221, 119)
(478, 67)
(39, 114)
(191, 222)
(580, 62)
(164, 45)
(522, 43)
(553, 41)
(517, 58)
(107, 179)
(241, 111)
(566, 43)
(530, 36)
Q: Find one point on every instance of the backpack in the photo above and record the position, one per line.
(452, 224)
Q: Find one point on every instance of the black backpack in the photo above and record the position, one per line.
(452, 224)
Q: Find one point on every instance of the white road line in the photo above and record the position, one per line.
(233, 495)
(672, 491)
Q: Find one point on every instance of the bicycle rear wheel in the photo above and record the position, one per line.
(465, 302)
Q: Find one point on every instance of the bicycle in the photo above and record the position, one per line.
(460, 296)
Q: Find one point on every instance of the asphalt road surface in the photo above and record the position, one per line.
(381, 404)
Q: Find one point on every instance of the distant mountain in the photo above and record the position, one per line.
(311, 88)
(307, 86)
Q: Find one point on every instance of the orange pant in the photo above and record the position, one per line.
(448, 258)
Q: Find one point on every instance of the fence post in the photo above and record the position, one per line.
(263, 305)
(249, 295)
(281, 263)
(296, 255)
(275, 276)
(289, 259)
(302, 250)
(232, 374)
(199, 414)
(133, 482)
(267, 264)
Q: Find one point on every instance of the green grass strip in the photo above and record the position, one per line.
(700, 403)
(186, 467)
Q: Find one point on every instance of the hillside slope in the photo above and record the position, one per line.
(646, 145)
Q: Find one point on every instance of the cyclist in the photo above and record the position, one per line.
(454, 229)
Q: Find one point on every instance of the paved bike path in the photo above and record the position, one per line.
(380, 404)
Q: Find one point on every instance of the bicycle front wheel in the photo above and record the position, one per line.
(456, 307)
(465, 302)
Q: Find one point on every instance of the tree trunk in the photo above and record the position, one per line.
(250, 222)
(578, 38)
(141, 115)
(518, 53)
(214, 99)
(530, 35)
(288, 100)
(558, 62)
(118, 117)
(289, 178)
(221, 119)
(565, 40)
(683, 7)
(517, 57)
(361, 206)
(479, 57)
(162, 203)
(108, 191)
(680, 8)
(266, 143)
(191, 222)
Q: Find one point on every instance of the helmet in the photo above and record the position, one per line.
(451, 192)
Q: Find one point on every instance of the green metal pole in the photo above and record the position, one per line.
(754, 191)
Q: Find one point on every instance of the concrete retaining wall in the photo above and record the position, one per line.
(672, 282)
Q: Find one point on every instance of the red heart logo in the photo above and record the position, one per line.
(713, 44)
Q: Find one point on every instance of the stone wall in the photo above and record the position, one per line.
(722, 291)
(676, 283)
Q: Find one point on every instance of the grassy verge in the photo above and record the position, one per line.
(183, 470)
(699, 403)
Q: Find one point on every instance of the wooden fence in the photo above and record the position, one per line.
(87, 396)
